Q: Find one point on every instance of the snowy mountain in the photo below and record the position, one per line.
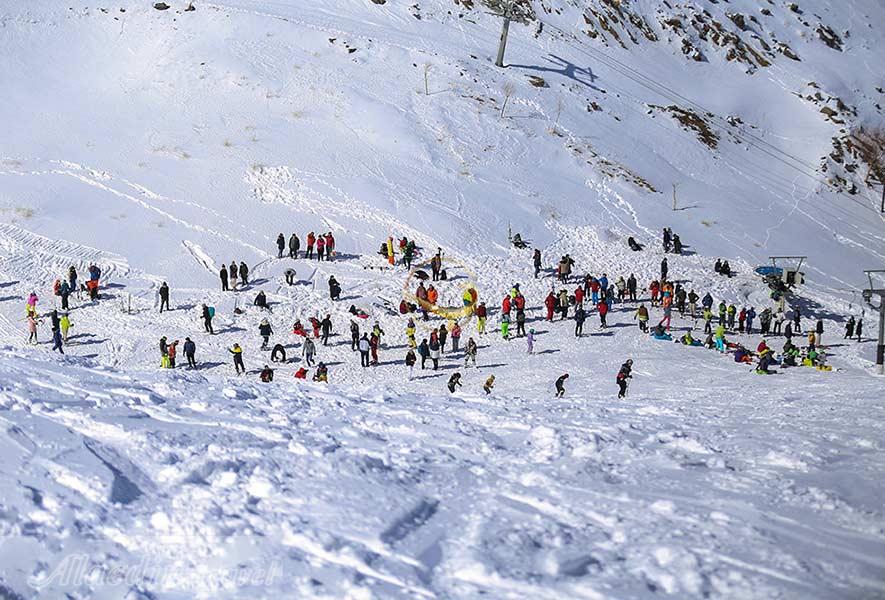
(162, 144)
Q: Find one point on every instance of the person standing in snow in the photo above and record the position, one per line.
(281, 245)
(237, 353)
(294, 245)
(470, 352)
(665, 269)
(530, 342)
(354, 336)
(56, 340)
(580, 317)
(849, 328)
(190, 351)
(326, 329)
(321, 247)
(64, 324)
(207, 319)
(311, 239)
(560, 385)
(334, 288)
(481, 315)
(223, 275)
(33, 321)
(308, 350)
(858, 330)
(265, 331)
(411, 359)
(244, 273)
(164, 296)
(536, 262)
(434, 351)
(623, 375)
(819, 333)
(364, 348)
(234, 274)
(423, 352)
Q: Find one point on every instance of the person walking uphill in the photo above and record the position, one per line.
(208, 314)
(56, 340)
(237, 353)
(265, 331)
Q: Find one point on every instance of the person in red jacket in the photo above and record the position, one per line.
(505, 305)
(519, 301)
(550, 303)
(602, 307)
(579, 296)
(330, 246)
(311, 240)
(655, 289)
(481, 315)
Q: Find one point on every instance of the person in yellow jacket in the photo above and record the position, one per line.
(720, 338)
(64, 323)
(410, 333)
(238, 358)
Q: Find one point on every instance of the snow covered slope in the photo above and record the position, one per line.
(163, 144)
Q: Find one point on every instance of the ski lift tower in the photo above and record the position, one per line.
(868, 298)
(791, 275)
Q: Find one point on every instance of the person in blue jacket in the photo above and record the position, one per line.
(751, 314)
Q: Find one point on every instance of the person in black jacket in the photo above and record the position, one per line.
(560, 385)
(454, 382)
(281, 245)
(278, 354)
(326, 328)
(261, 301)
(334, 288)
(164, 296)
(244, 273)
(623, 375)
(207, 320)
(423, 352)
(265, 330)
(190, 349)
(223, 274)
(294, 245)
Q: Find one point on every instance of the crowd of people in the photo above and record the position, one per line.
(724, 325)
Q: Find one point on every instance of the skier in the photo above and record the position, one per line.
(454, 382)
(308, 351)
(294, 245)
(489, 385)
(190, 350)
(208, 313)
(364, 348)
(560, 385)
(265, 330)
(281, 245)
(238, 358)
(623, 375)
(411, 359)
(536, 261)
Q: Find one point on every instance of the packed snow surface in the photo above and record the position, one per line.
(162, 144)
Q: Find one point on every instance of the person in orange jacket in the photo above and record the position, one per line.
(550, 303)
(311, 240)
